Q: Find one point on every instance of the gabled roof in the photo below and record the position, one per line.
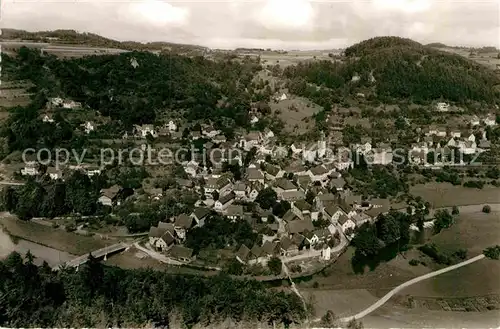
(243, 252)
(226, 198)
(332, 209)
(302, 205)
(322, 233)
(327, 197)
(269, 248)
(168, 237)
(111, 192)
(343, 219)
(293, 195)
(256, 251)
(201, 212)
(337, 182)
(254, 174)
(290, 216)
(286, 243)
(178, 251)
(183, 221)
(272, 170)
(299, 226)
(234, 210)
(154, 232)
(284, 184)
(166, 226)
(319, 170)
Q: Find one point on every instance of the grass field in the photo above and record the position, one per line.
(55, 238)
(298, 120)
(447, 195)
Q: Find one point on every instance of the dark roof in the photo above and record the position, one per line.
(322, 233)
(256, 251)
(201, 212)
(184, 182)
(319, 170)
(274, 226)
(287, 243)
(243, 252)
(269, 248)
(285, 184)
(226, 198)
(272, 170)
(299, 226)
(374, 212)
(297, 239)
(289, 216)
(338, 182)
(343, 219)
(302, 205)
(234, 210)
(168, 237)
(183, 221)
(166, 226)
(154, 232)
(327, 197)
(332, 209)
(345, 207)
(111, 192)
(254, 174)
(178, 251)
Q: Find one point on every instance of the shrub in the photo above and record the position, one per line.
(455, 211)
(492, 252)
(414, 262)
(486, 209)
(315, 284)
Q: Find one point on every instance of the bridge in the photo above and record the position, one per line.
(99, 253)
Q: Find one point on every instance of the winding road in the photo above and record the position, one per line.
(394, 291)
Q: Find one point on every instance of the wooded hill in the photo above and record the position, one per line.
(392, 68)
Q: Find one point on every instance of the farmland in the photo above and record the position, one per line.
(447, 195)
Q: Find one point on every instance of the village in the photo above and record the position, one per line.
(310, 212)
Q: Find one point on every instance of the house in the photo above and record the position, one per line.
(379, 156)
(254, 175)
(250, 141)
(191, 168)
(69, 104)
(224, 201)
(234, 212)
(333, 213)
(92, 171)
(289, 247)
(88, 127)
(292, 196)
(220, 185)
(296, 168)
(272, 172)
(109, 196)
(56, 101)
(490, 120)
(301, 207)
(209, 131)
(337, 183)
(240, 190)
(297, 148)
(243, 254)
(347, 209)
(282, 97)
(171, 126)
(145, 130)
(324, 200)
(442, 107)
(47, 118)
(54, 173)
(290, 216)
(321, 235)
(199, 215)
(254, 120)
(318, 173)
(282, 185)
(304, 182)
(474, 121)
(299, 226)
(182, 224)
(436, 131)
(484, 144)
(181, 253)
(161, 238)
(184, 183)
(326, 253)
(219, 139)
(30, 169)
(346, 223)
(195, 135)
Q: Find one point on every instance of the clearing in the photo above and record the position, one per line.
(296, 113)
(51, 237)
(447, 195)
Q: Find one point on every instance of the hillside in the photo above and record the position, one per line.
(90, 39)
(388, 68)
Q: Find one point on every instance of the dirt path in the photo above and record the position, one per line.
(394, 291)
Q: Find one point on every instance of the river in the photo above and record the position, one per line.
(52, 256)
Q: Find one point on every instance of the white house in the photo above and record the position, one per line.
(144, 130)
(71, 104)
(54, 173)
(250, 140)
(333, 213)
(297, 148)
(220, 185)
(88, 127)
(284, 185)
(172, 126)
(442, 107)
(254, 175)
(326, 253)
(346, 223)
(283, 97)
(319, 173)
(224, 201)
(254, 120)
(490, 120)
(475, 121)
(47, 118)
(30, 169)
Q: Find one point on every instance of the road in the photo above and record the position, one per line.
(394, 291)
(11, 183)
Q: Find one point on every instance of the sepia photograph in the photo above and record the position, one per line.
(250, 164)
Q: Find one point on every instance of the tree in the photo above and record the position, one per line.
(455, 210)
(310, 197)
(354, 324)
(492, 252)
(280, 208)
(233, 267)
(266, 198)
(486, 209)
(328, 320)
(275, 265)
(443, 219)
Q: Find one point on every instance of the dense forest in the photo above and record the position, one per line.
(389, 68)
(101, 296)
(167, 85)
